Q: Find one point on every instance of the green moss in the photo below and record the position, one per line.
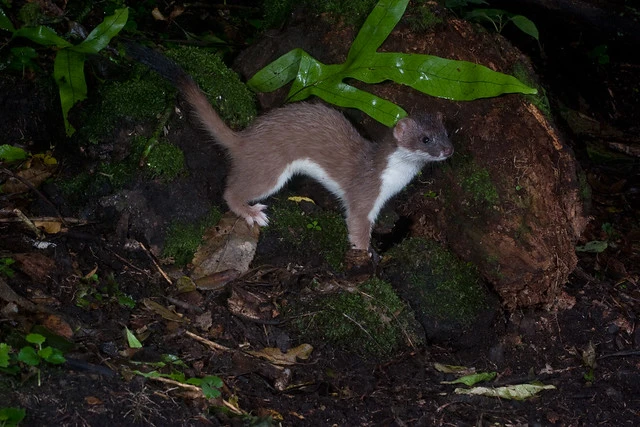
(230, 97)
(182, 239)
(442, 286)
(371, 321)
(322, 233)
(476, 182)
(421, 18)
(165, 161)
(138, 98)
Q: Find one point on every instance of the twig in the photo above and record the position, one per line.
(153, 260)
(212, 345)
(194, 389)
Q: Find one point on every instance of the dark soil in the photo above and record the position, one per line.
(589, 349)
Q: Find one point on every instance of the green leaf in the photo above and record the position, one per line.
(45, 352)
(100, 37)
(278, 73)
(29, 356)
(42, 35)
(5, 22)
(52, 355)
(9, 153)
(435, 76)
(377, 27)
(132, 340)
(456, 80)
(4, 354)
(10, 417)
(211, 386)
(35, 339)
(526, 26)
(470, 380)
(68, 70)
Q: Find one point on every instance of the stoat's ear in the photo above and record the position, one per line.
(401, 128)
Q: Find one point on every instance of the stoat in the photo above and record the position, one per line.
(315, 140)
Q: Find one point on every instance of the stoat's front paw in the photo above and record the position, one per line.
(257, 216)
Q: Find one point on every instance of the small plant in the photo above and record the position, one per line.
(5, 267)
(498, 18)
(30, 355)
(314, 226)
(68, 67)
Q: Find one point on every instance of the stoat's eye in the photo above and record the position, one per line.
(426, 140)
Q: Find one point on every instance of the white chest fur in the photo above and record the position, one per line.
(401, 168)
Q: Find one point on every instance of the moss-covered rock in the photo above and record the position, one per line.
(447, 294)
(370, 321)
(231, 98)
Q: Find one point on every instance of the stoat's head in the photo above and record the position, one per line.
(425, 136)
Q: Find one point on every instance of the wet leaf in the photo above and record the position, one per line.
(457, 80)
(512, 392)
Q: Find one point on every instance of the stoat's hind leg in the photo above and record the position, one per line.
(239, 205)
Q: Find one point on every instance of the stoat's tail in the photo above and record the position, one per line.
(202, 109)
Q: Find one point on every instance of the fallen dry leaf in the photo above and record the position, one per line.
(291, 357)
(230, 245)
(163, 311)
